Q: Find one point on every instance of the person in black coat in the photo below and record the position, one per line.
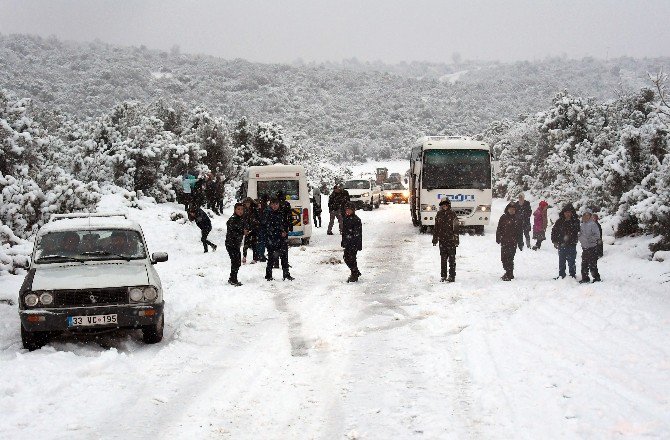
(523, 213)
(446, 234)
(509, 236)
(275, 231)
(352, 240)
(338, 198)
(235, 232)
(204, 223)
(564, 236)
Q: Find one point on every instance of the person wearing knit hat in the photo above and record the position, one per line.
(540, 222)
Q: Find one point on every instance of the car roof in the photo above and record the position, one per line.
(89, 223)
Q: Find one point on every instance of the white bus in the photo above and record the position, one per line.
(292, 181)
(453, 167)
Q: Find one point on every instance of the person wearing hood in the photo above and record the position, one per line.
(445, 233)
(352, 240)
(564, 236)
(540, 222)
(589, 237)
(509, 235)
(316, 206)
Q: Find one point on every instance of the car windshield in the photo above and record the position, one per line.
(82, 245)
(447, 169)
(395, 186)
(270, 188)
(357, 184)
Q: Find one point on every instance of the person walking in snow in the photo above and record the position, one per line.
(336, 203)
(564, 236)
(445, 233)
(523, 212)
(210, 193)
(540, 223)
(352, 240)
(316, 207)
(600, 229)
(589, 237)
(187, 183)
(235, 233)
(509, 235)
(219, 192)
(205, 224)
(276, 229)
(252, 223)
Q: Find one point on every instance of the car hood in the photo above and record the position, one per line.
(357, 192)
(90, 275)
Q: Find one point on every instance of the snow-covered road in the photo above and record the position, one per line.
(398, 355)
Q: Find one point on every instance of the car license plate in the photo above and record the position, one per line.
(76, 321)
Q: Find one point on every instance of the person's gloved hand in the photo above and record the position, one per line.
(520, 247)
(434, 243)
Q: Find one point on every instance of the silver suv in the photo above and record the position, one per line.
(91, 273)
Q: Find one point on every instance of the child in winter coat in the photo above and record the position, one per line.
(540, 222)
(445, 233)
(509, 236)
(564, 236)
(589, 237)
(352, 240)
(204, 223)
(235, 232)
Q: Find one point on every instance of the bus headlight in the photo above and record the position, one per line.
(484, 208)
(428, 208)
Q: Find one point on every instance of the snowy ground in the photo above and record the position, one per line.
(398, 355)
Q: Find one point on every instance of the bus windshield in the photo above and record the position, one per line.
(452, 169)
(269, 188)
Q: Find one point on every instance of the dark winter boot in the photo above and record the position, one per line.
(597, 280)
(451, 279)
(585, 279)
(214, 248)
(287, 276)
(506, 277)
(353, 278)
(234, 282)
(443, 279)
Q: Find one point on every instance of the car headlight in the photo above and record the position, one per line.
(136, 294)
(31, 300)
(150, 293)
(365, 195)
(484, 208)
(46, 299)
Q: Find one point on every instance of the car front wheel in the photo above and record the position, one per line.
(153, 334)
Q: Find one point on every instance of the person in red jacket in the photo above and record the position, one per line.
(509, 236)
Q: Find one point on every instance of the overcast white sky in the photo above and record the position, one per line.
(387, 30)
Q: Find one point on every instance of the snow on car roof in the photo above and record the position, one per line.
(79, 223)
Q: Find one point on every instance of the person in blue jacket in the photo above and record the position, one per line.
(276, 227)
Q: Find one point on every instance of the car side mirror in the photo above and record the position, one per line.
(159, 257)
